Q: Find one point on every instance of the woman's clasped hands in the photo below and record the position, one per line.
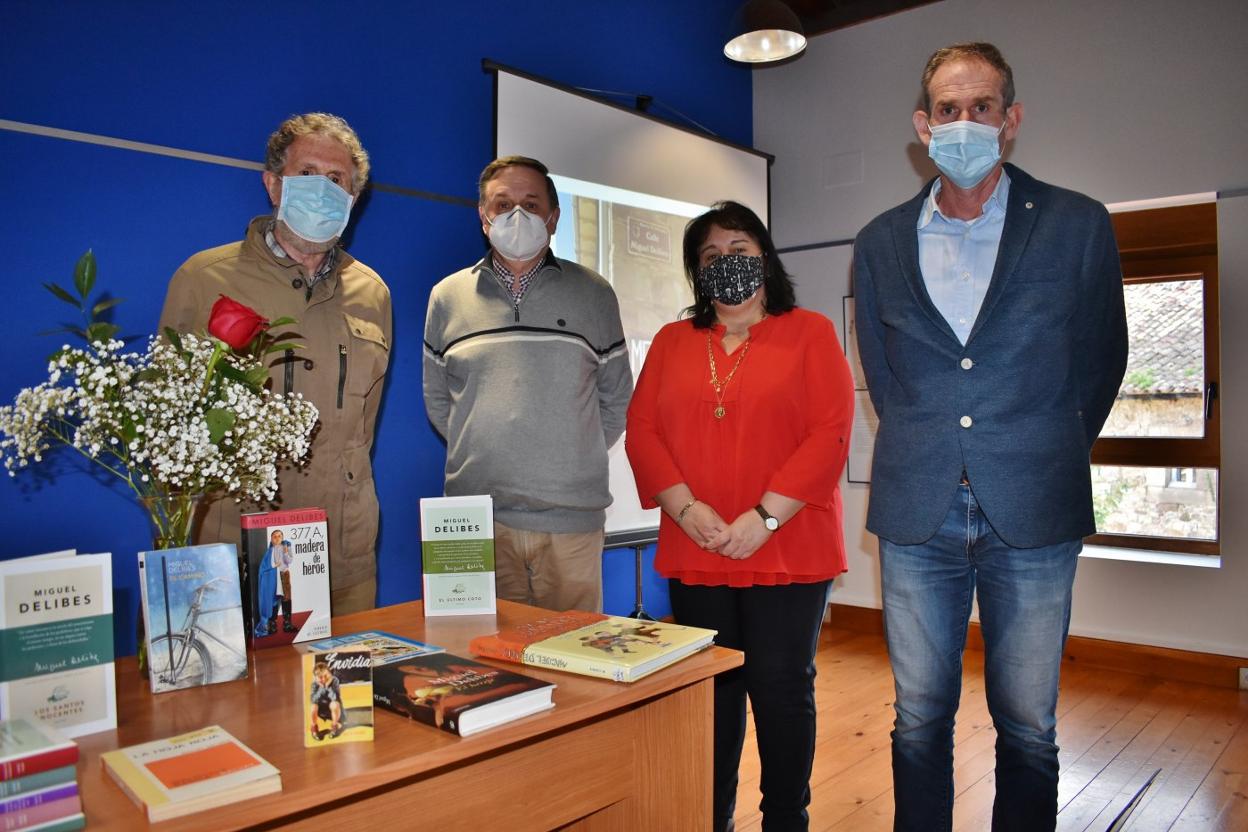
(737, 540)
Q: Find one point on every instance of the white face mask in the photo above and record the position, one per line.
(518, 235)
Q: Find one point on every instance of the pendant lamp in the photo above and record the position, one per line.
(765, 31)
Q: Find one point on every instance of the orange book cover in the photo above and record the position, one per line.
(205, 764)
(190, 772)
(510, 643)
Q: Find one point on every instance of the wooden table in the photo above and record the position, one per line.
(608, 756)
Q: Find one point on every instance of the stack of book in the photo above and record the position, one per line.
(38, 782)
(426, 684)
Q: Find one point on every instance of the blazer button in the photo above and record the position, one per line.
(966, 421)
(967, 363)
(297, 283)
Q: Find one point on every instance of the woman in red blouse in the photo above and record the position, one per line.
(738, 430)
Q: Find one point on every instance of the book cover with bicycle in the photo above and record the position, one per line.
(193, 610)
(287, 576)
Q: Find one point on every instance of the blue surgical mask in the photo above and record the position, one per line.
(314, 208)
(965, 151)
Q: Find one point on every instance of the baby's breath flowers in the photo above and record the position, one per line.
(188, 416)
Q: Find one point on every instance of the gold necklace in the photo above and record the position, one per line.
(717, 385)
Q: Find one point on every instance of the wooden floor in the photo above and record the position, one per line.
(1114, 730)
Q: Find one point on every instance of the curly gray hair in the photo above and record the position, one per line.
(325, 124)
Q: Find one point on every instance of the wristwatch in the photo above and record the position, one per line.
(770, 522)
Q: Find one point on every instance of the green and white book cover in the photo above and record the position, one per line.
(457, 550)
(56, 642)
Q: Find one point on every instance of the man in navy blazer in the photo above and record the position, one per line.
(993, 335)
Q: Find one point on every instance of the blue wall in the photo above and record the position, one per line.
(217, 78)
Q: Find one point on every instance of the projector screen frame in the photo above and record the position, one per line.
(493, 67)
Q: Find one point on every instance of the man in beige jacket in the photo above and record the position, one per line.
(290, 264)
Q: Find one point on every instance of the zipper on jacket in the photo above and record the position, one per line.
(288, 374)
(342, 372)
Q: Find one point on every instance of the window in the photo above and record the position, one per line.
(1155, 468)
(1180, 478)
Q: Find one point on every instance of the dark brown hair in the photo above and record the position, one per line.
(492, 169)
(735, 217)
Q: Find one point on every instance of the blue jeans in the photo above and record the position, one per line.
(1024, 609)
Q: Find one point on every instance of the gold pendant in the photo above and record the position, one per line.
(719, 412)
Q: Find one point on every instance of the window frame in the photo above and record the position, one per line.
(1157, 245)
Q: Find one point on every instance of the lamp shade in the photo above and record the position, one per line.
(765, 31)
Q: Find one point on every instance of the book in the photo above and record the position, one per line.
(64, 824)
(190, 773)
(384, 647)
(286, 576)
(51, 804)
(29, 747)
(337, 697)
(457, 555)
(40, 797)
(39, 780)
(458, 695)
(56, 642)
(593, 644)
(193, 612)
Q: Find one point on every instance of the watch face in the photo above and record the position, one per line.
(770, 522)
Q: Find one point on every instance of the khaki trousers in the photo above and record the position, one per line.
(543, 569)
(354, 598)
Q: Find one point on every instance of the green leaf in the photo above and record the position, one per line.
(101, 331)
(282, 321)
(149, 374)
(257, 376)
(219, 421)
(84, 274)
(45, 332)
(105, 304)
(63, 295)
(285, 345)
(128, 433)
(174, 338)
(234, 374)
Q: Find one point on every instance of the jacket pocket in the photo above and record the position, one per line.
(362, 361)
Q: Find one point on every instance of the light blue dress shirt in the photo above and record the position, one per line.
(957, 257)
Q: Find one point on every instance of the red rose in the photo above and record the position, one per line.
(235, 324)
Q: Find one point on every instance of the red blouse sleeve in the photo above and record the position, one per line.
(652, 463)
(813, 471)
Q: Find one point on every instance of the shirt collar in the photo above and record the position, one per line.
(995, 202)
(500, 268)
(322, 271)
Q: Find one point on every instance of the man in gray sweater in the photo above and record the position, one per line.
(526, 376)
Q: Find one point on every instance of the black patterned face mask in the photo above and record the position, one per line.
(732, 278)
